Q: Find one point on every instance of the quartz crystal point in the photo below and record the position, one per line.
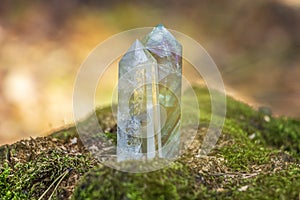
(138, 117)
(149, 95)
(168, 53)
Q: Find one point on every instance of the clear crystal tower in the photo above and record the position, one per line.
(168, 53)
(149, 95)
(138, 116)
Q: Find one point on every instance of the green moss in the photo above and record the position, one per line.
(283, 133)
(282, 185)
(204, 103)
(241, 157)
(29, 180)
(5, 190)
(174, 182)
(242, 153)
(274, 132)
(65, 134)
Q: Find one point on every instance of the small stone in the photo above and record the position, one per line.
(74, 140)
(94, 148)
(267, 118)
(220, 190)
(243, 188)
(252, 136)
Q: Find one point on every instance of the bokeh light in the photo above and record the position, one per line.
(255, 44)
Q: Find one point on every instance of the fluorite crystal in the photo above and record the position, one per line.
(149, 93)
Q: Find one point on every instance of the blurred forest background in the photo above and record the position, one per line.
(255, 44)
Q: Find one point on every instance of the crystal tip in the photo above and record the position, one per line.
(160, 26)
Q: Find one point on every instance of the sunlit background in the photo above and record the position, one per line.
(255, 44)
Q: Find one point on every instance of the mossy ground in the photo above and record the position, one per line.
(256, 157)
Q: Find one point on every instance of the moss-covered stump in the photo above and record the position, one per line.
(256, 157)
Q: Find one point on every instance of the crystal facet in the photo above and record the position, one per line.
(149, 95)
